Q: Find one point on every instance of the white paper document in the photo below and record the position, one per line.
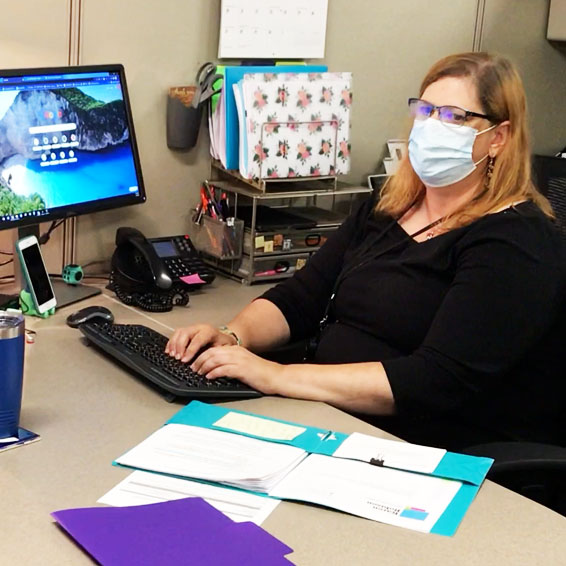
(142, 488)
(292, 29)
(399, 498)
(200, 453)
(390, 453)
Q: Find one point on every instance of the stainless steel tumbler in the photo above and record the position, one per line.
(11, 371)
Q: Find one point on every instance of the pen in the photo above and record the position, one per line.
(198, 213)
(211, 210)
(203, 201)
(224, 206)
(211, 199)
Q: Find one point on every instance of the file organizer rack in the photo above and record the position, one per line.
(258, 265)
(273, 184)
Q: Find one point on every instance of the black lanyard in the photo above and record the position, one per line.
(362, 261)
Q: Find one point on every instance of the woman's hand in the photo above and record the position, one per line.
(237, 362)
(187, 341)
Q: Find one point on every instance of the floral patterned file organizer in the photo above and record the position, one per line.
(294, 124)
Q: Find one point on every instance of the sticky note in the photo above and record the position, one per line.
(192, 279)
(257, 426)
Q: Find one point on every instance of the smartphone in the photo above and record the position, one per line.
(36, 276)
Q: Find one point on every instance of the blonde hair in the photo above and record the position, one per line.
(501, 95)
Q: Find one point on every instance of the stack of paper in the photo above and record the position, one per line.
(212, 455)
(141, 488)
(186, 531)
(294, 124)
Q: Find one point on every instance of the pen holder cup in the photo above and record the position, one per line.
(183, 120)
(219, 239)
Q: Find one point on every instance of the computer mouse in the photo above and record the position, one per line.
(88, 313)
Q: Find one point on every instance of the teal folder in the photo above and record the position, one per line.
(469, 470)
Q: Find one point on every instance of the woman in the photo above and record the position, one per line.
(441, 301)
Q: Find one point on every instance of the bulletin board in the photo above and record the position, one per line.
(272, 29)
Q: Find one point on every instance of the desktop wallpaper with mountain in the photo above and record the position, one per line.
(89, 158)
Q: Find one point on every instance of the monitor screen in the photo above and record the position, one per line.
(67, 144)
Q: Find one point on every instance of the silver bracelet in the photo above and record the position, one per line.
(228, 332)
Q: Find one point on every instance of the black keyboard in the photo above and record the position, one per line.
(143, 350)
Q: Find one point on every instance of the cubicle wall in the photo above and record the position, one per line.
(388, 46)
(518, 29)
(27, 41)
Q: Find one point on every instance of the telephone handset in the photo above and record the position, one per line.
(156, 273)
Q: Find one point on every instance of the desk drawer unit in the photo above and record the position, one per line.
(270, 267)
(291, 241)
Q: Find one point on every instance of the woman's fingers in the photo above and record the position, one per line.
(239, 363)
(186, 342)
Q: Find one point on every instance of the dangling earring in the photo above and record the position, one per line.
(489, 171)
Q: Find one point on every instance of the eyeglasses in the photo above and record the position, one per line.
(421, 110)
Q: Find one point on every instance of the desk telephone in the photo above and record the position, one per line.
(156, 273)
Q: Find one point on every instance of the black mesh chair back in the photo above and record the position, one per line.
(550, 178)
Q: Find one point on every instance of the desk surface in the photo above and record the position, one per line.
(88, 411)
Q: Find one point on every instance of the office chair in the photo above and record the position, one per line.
(549, 175)
(531, 469)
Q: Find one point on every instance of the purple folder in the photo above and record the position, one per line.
(184, 531)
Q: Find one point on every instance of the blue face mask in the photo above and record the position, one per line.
(440, 153)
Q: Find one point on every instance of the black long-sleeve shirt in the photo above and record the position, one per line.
(470, 325)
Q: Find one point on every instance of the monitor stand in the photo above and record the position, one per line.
(64, 293)
(68, 294)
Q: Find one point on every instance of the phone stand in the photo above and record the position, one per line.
(28, 308)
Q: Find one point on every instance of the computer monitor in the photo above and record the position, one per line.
(67, 144)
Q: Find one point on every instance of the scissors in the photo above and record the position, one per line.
(205, 79)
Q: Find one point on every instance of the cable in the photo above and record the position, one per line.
(24, 306)
(44, 238)
(7, 279)
(85, 276)
(93, 262)
(97, 276)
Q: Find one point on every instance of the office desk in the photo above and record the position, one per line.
(89, 411)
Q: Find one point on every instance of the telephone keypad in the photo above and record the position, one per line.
(188, 261)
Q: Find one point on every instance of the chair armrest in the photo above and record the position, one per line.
(521, 456)
(534, 470)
